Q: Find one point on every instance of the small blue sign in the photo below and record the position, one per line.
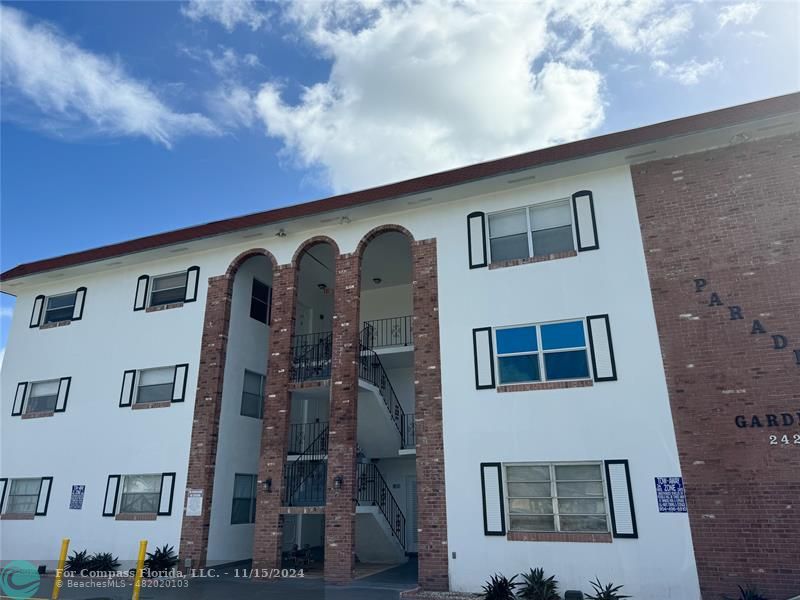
(671, 495)
(76, 499)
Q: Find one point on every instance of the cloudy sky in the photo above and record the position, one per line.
(122, 119)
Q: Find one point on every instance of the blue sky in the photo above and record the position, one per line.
(121, 119)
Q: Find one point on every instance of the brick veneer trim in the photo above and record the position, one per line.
(532, 536)
(544, 385)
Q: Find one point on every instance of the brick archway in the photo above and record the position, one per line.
(208, 405)
(310, 243)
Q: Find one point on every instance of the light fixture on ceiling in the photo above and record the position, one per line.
(281, 233)
(344, 220)
(322, 286)
(740, 138)
(377, 280)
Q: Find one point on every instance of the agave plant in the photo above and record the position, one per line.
(104, 562)
(500, 587)
(162, 560)
(78, 562)
(605, 592)
(748, 593)
(535, 586)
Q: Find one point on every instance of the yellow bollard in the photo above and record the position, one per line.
(137, 581)
(62, 559)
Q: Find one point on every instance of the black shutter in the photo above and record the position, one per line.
(483, 357)
(602, 348)
(43, 501)
(19, 399)
(585, 222)
(179, 382)
(3, 486)
(80, 298)
(494, 518)
(126, 394)
(166, 493)
(476, 240)
(63, 393)
(140, 299)
(620, 499)
(192, 281)
(36, 313)
(110, 499)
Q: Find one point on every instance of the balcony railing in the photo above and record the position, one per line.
(373, 491)
(304, 482)
(309, 439)
(386, 333)
(311, 356)
(371, 369)
(408, 431)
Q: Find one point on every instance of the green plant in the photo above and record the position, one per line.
(500, 587)
(78, 562)
(605, 592)
(103, 562)
(748, 593)
(163, 559)
(535, 586)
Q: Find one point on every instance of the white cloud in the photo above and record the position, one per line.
(738, 14)
(233, 105)
(228, 13)
(6, 312)
(225, 63)
(687, 73)
(79, 92)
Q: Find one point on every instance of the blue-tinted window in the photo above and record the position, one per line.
(517, 369)
(517, 339)
(563, 335)
(566, 365)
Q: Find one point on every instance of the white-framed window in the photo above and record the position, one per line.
(23, 496)
(168, 289)
(253, 394)
(140, 493)
(60, 308)
(155, 385)
(243, 509)
(542, 352)
(43, 396)
(537, 230)
(556, 497)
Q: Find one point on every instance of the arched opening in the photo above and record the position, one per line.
(232, 510)
(386, 472)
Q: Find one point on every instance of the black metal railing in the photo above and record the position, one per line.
(373, 491)
(309, 440)
(408, 431)
(311, 356)
(385, 333)
(371, 369)
(304, 477)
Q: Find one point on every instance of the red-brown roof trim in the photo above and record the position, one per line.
(605, 143)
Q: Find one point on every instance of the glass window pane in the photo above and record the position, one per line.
(258, 310)
(581, 506)
(508, 223)
(243, 486)
(157, 376)
(169, 281)
(63, 301)
(566, 365)
(251, 405)
(552, 241)
(528, 523)
(584, 523)
(41, 404)
(253, 382)
(44, 388)
(563, 335)
(580, 489)
(548, 216)
(527, 506)
(528, 473)
(517, 339)
(260, 290)
(240, 512)
(25, 486)
(516, 369)
(154, 393)
(529, 490)
(509, 248)
(141, 483)
(578, 473)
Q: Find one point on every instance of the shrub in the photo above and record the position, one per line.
(103, 561)
(163, 559)
(535, 586)
(500, 587)
(748, 593)
(78, 562)
(605, 592)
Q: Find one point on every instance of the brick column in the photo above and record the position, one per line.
(274, 437)
(432, 510)
(205, 426)
(340, 507)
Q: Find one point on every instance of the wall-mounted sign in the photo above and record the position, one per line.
(671, 495)
(76, 498)
(194, 503)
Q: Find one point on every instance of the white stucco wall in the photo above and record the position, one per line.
(629, 418)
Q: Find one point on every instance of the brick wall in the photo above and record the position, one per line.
(340, 509)
(432, 510)
(275, 433)
(721, 230)
(205, 426)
